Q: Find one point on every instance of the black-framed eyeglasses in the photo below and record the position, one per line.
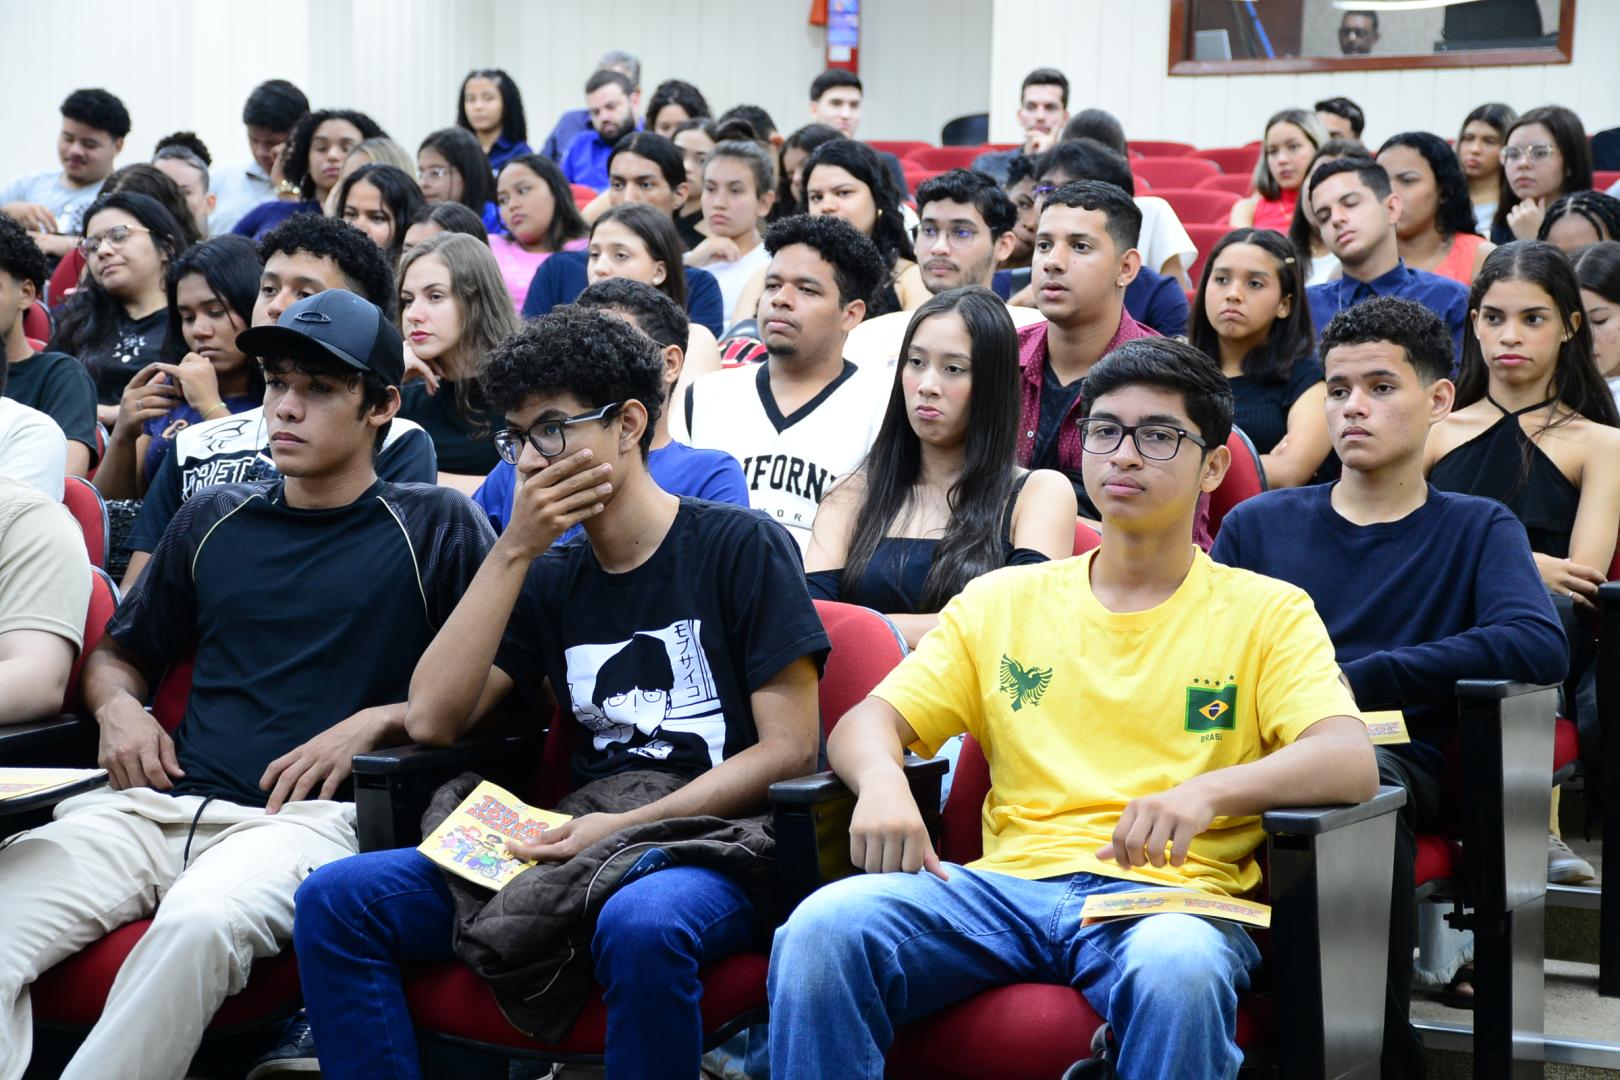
(1155, 442)
(548, 437)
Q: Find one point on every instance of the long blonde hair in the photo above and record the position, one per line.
(1307, 122)
(480, 293)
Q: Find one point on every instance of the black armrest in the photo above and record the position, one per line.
(812, 816)
(392, 787)
(1608, 777)
(1316, 820)
(1496, 689)
(67, 741)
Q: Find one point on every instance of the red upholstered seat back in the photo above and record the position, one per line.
(1208, 206)
(865, 648)
(173, 693)
(1244, 480)
(84, 502)
(1174, 172)
(1085, 538)
(103, 601)
(1236, 160)
(1204, 238)
(1239, 184)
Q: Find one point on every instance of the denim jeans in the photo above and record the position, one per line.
(871, 952)
(359, 918)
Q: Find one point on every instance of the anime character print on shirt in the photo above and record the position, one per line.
(653, 696)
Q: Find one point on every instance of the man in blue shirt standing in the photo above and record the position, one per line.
(611, 99)
(1418, 587)
(1355, 209)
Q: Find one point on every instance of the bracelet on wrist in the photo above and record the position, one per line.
(217, 405)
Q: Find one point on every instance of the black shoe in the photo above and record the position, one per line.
(295, 1053)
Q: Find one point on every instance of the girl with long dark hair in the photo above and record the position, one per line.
(1479, 151)
(1597, 268)
(1535, 426)
(739, 186)
(940, 499)
(847, 178)
(114, 323)
(1546, 156)
(538, 213)
(1252, 317)
(451, 167)
(380, 201)
(211, 290)
(312, 166)
(490, 107)
(1435, 231)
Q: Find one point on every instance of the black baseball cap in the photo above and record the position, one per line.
(337, 324)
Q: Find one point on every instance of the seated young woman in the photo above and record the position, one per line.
(1252, 317)
(1291, 137)
(1546, 155)
(672, 104)
(1580, 218)
(451, 168)
(1436, 230)
(1479, 151)
(380, 201)
(696, 141)
(539, 216)
(1535, 426)
(311, 167)
(1597, 267)
(739, 186)
(431, 219)
(940, 498)
(203, 376)
(453, 309)
(796, 150)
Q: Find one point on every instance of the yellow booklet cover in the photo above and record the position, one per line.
(15, 783)
(471, 842)
(1130, 905)
(1386, 728)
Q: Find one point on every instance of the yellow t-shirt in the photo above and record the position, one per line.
(1079, 709)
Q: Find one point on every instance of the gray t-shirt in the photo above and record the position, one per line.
(50, 190)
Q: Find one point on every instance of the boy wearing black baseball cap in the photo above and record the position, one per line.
(304, 602)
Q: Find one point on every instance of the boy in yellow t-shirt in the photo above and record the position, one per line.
(1139, 707)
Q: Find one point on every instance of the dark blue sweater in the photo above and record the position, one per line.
(1448, 592)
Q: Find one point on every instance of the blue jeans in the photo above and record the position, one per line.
(871, 952)
(359, 918)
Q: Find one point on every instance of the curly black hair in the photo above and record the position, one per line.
(187, 140)
(20, 256)
(296, 155)
(1453, 210)
(857, 266)
(1420, 333)
(594, 356)
(97, 109)
(654, 314)
(676, 92)
(971, 189)
(360, 261)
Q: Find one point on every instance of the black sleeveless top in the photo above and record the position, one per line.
(894, 577)
(1505, 464)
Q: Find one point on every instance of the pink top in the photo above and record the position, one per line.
(518, 266)
(1276, 214)
(1458, 265)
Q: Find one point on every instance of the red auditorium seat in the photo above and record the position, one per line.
(89, 509)
(1158, 148)
(1238, 184)
(1244, 480)
(583, 196)
(944, 158)
(1604, 179)
(1199, 205)
(1236, 160)
(1204, 238)
(900, 148)
(1175, 172)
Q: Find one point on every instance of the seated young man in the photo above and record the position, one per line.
(44, 592)
(304, 601)
(1418, 588)
(681, 638)
(1140, 706)
(305, 255)
(675, 467)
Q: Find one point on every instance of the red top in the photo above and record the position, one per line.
(1458, 265)
(1278, 213)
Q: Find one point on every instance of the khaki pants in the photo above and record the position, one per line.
(111, 857)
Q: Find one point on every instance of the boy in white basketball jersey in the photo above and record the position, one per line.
(806, 416)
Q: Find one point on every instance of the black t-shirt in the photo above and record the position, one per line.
(298, 619)
(138, 342)
(1056, 401)
(1261, 408)
(658, 663)
(459, 445)
(59, 386)
(686, 226)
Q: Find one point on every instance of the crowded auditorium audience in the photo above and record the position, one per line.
(373, 452)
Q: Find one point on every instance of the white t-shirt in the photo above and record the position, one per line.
(789, 462)
(33, 450)
(236, 189)
(733, 278)
(1484, 212)
(1163, 235)
(876, 342)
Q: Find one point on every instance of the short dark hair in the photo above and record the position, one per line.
(974, 189)
(1087, 159)
(361, 262)
(609, 77)
(1373, 15)
(1345, 108)
(1098, 124)
(295, 159)
(97, 109)
(1124, 216)
(1045, 76)
(20, 256)
(654, 314)
(1167, 364)
(1421, 334)
(857, 266)
(1371, 173)
(188, 141)
(596, 357)
(276, 105)
(1021, 167)
(452, 217)
(373, 390)
(677, 92)
(756, 118)
(656, 149)
(831, 78)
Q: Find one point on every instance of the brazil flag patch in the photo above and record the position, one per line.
(1211, 709)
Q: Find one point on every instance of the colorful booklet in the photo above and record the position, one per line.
(1130, 905)
(15, 783)
(471, 842)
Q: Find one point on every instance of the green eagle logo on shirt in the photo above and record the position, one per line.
(1022, 685)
